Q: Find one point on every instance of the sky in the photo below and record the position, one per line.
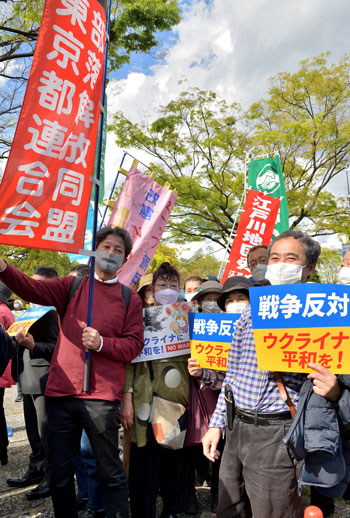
(232, 47)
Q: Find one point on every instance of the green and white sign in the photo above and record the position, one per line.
(266, 176)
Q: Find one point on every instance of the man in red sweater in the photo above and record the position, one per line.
(115, 337)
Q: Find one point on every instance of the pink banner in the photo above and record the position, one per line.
(143, 209)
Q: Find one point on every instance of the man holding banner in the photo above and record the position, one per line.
(116, 337)
(258, 475)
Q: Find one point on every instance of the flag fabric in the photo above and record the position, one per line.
(143, 208)
(255, 227)
(45, 192)
(267, 176)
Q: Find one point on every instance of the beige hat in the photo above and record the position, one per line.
(146, 280)
(207, 287)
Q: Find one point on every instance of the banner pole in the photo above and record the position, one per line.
(94, 228)
(112, 190)
(241, 204)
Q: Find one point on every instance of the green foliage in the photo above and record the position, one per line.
(27, 259)
(197, 146)
(305, 120)
(328, 265)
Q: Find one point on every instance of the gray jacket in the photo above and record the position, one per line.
(318, 435)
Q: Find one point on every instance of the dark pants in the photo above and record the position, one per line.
(153, 467)
(3, 428)
(36, 421)
(258, 475)
(89, 483)
(100, 420)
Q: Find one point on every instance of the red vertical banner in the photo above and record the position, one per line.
(255, 227)
(45, 192)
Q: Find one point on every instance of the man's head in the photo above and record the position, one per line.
(44, 272)
(257, 262)
(344, 273)
(191, 286)
(80, 270)
(346, 260)
(292, 258)
(113, 245)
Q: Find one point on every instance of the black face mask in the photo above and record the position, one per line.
(108, 263)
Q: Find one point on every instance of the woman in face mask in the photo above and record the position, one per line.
(151, 465)
(207, 297)
(235, 294)
(344, 273)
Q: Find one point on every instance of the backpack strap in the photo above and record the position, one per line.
(126, 295)
(284, 393)
(72, 289)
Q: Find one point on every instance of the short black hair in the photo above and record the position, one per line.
(104, 232)
(193, 278)
(256, 247)
(46, 271)
(165, 270)
(311, 246)
(81, 270)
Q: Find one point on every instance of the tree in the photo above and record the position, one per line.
(328, 265)
(27, 259)
(305, 120)
(197, 146)
(199, 142)
(134, 25)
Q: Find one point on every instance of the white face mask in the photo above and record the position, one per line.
(344, 275)
(166, 296)
(17, 306)
(258, 272)
(210, 307)
(236, 307)
(189, 296)
(284, 273)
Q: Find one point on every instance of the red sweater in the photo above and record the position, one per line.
(122, 333)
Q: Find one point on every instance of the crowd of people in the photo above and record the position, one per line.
(237, 448)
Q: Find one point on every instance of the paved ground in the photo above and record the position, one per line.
(13, 503)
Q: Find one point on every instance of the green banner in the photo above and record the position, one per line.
(103, 156)
(266, 176)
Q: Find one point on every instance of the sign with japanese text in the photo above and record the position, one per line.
(143, 208)
(266, 176)
(27, 319)
(46, 187)
(255, 227)
(295, 324)
(166, 331)
(211, 338)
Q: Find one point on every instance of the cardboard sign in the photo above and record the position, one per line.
(166, 331)
(211, 338)
(27, 319)
(295, 324)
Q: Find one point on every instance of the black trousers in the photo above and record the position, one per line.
(100, 419)
(153, 467)
(36, 421)
(3, 428)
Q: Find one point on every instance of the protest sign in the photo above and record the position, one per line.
(143, 208)
(27, 319)
(166, 331)
(46, 187)
(295, 324)
(255, 227)
(266, 176)
(211, 338)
